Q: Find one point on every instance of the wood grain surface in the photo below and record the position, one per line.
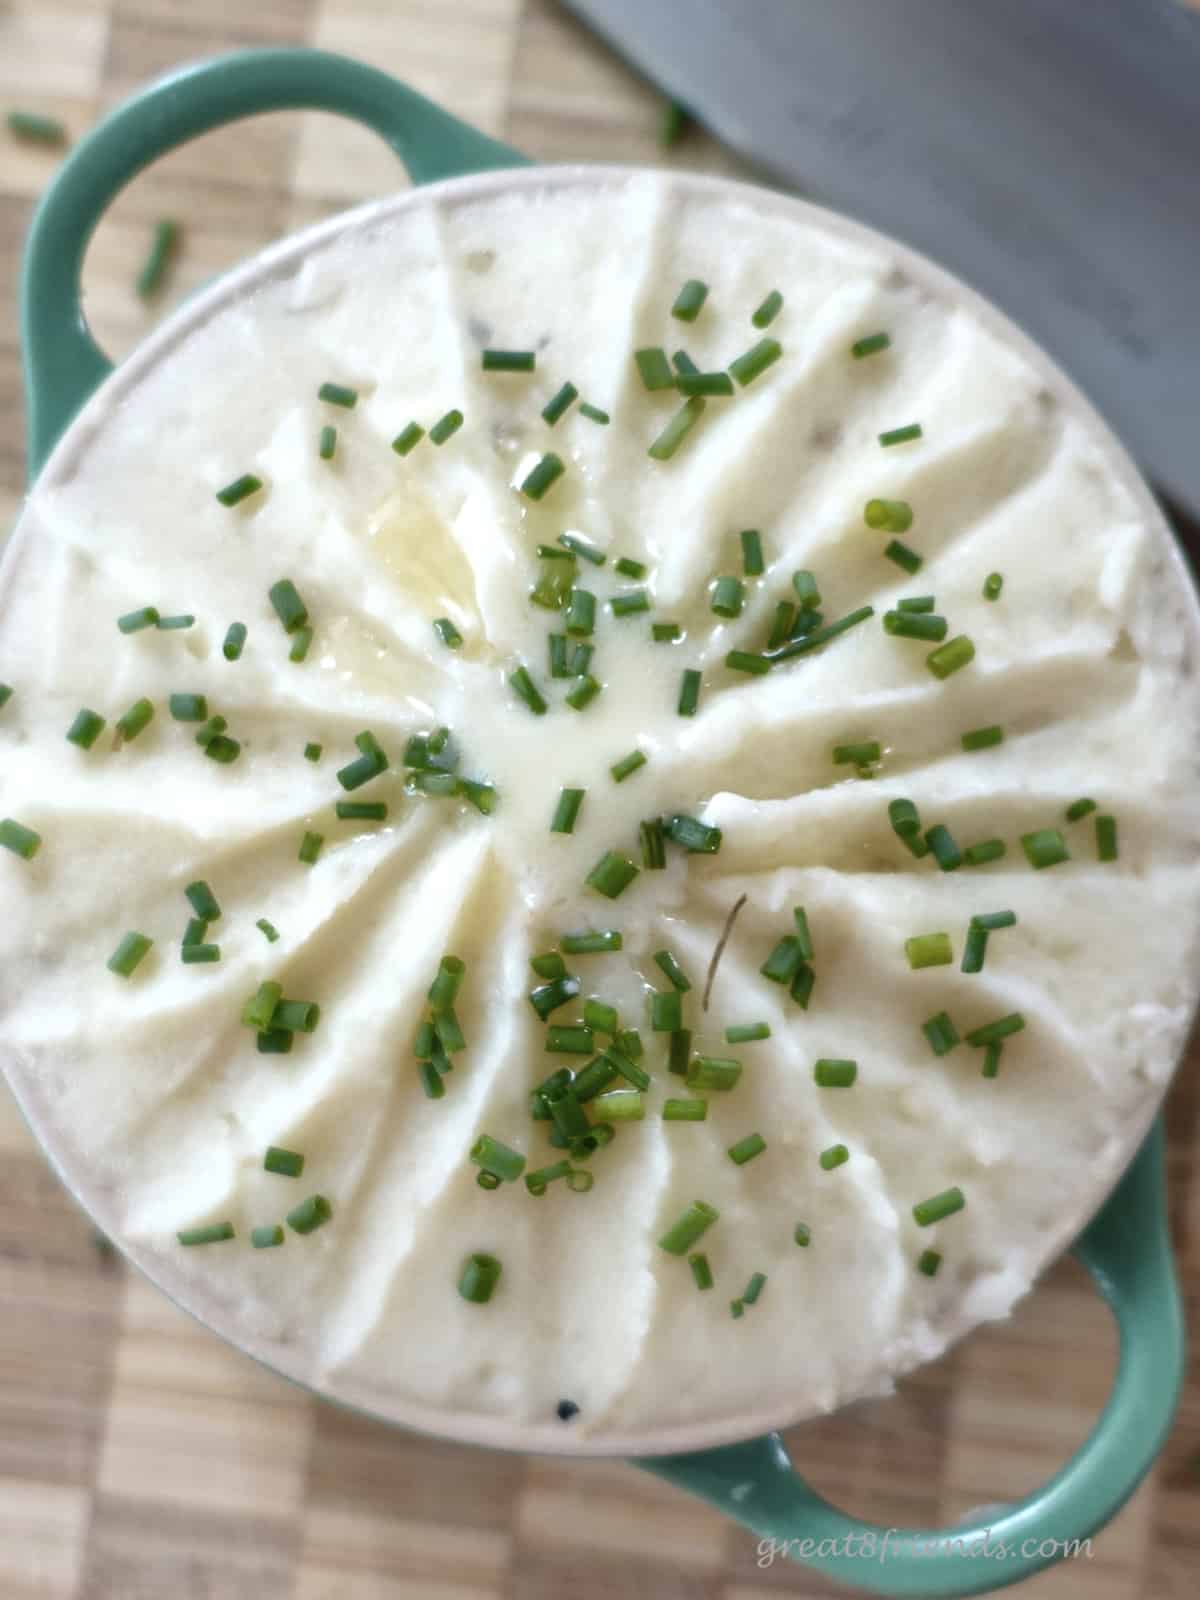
(140, 1458)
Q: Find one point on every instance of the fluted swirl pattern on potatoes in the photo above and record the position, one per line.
(155, 1090)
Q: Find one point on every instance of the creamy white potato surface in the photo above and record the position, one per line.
(162, 1102)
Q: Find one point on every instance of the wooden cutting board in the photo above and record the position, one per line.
(140, 1459)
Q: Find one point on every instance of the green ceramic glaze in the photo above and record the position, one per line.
(1127, 1246)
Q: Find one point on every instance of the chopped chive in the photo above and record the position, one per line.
(274, 1041)
(629, 603)
(781, 625)
(728, 597)
(134, 621)
(836, 1156)
(983, 738)
(701, 838)
(676, 1110)
(627, 765)
(630, 568)
(86, 728)
(284, 1163)
(188, 707)
(313, 752)
(612, 874)
(991, 1059)
(598, 941)
(629, 1043)
(425, 1045)
(443, 991)
(567, 810)
(978, 855)
(802, 985)
(268, 930)
(570, 1041)
(446, 427)
(128, 954)
(938, 1206)
(904, 818)
(135, 719)
(802, 1235)
(754, 362)
(549, 965)
(679, 1052)
(588, 1081)
(689, 692)
(736, 1309)
(34, 128)
(911, 430)
(509, 360)
(944, 847)
(750, 1294)
(746, 1149)
(499, 1159)
(310, 1214)
(992, 586)
(929, 950)
(547, 997)
(235, 639)
(701, 1271)
(1079, 809)
(310, 847)
(949, 657)
(975, 948)
(667, 962)
(892, 516)
(580, 618)
(689, 300)
(214, 1233)
(361, 810)
(768, 310)
(266, 1237)
(22, 841)
(665, 632)
(704, 383)
(222, 749)
(915, 625)
(408, 438)
(600, 1016)
(990, 1032)
(747, 1032)
(651, 842)
(1044, 847)
(557, 646)
(752, 553)
(682, 1235)
(928, 1263)
(287, 604)
(916, 602)
(666, 1011)
(203, 901)
(240, 489)
(784, 961)
(370, 764)
(904, 556)
(713, 1072)
(195, 931)
(537, 1182)
(820, 636)
(941, 1033)
(528, 691)
(559, 403)
(685, 367)
(259, 1010)
(176, 624)
(579, 546)
(991, 920)
(582, 692)
(581, 660)
(832, 1074)
(863, 754)
(327, 442)
(448, 1030)
(1106, 839)
(593, 413)
(678, 428)
(6, 693)
(337, 394)
(543, 476)
(871, 345)
(654, 368)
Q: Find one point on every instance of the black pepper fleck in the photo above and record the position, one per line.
(566, 1410)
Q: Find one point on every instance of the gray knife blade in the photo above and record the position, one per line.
(1047, 151)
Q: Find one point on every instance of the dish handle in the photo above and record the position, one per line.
(63, 363)
(1127, 1249)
